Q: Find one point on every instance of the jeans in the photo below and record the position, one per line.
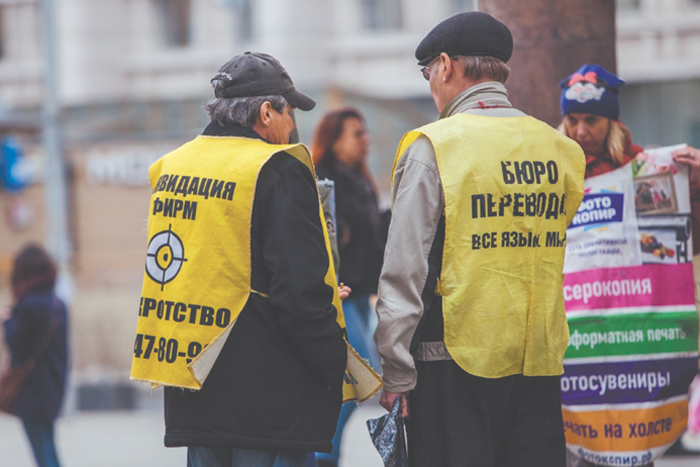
(357, 322)
(229, 457)
(40, 434)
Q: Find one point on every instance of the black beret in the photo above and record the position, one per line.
(470, 34)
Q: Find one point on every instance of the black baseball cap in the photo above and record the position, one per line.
(256, 74)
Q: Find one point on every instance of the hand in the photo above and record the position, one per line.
(387, 399)
(344, 291)
(687, 155)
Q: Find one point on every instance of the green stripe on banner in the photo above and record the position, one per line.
(633, 334)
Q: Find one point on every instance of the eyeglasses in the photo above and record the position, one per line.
(426, 69)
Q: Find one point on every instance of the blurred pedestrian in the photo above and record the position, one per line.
(590, 110)
(36, 334)
(339, 150)
(472, 328)
(240, 293)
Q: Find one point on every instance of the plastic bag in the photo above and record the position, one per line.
(387, 433)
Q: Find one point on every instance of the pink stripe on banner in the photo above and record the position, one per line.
(634, 286)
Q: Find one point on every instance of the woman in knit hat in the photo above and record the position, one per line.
(591, 108)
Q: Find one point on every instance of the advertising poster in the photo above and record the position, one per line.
(629, 294)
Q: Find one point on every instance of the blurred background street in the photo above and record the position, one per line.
(135, 439)
(93, 92)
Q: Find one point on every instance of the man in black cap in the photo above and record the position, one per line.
(236, 237)
(472, 328)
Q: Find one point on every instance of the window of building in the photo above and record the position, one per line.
(695, 134)
(245, 19)
(242, 11)
(175, 21)
(3, 43)
(382, 14)
(629, 4)
(458, 6)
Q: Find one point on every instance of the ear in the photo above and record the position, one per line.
(447, 63)
(265, 110)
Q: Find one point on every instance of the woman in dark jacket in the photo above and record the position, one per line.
(340, 154)
(37, 328)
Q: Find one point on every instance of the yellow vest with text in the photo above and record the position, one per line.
(511, 187)
(198, 264)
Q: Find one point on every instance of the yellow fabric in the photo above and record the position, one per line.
(503, 302)
(360, 381)
(214, 272)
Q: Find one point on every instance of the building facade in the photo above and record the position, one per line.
(659, 56)
(133, 76)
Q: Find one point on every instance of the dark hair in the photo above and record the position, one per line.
(328, 132)
(32, 267)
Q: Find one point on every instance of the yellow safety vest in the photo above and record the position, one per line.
(511, 187)
(198, 265)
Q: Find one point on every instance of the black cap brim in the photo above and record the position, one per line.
(300, 100)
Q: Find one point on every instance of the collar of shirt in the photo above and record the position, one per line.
(490, 94)
(230, 129)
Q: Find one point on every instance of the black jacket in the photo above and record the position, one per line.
(358, 217)
(277, 383)
(42, 392)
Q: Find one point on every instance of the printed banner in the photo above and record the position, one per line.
(629, 294)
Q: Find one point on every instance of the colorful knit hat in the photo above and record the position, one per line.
(591, 89)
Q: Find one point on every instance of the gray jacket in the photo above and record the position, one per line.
(418, 204)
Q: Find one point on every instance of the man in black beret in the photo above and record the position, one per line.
(236, 237)
(472, 328)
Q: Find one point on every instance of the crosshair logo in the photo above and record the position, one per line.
(165, 257)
